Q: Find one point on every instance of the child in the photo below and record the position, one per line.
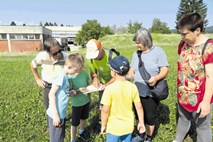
(59, 96)
(80, 103)
(117, 116)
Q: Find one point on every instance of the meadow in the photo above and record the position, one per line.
(22, 114)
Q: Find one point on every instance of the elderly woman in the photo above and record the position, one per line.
(156, 64)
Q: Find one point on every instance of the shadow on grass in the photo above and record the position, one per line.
(93, 126)
(162, 117)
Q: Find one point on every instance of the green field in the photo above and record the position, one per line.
(22, 114)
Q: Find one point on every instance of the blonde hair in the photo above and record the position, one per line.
(76, 59)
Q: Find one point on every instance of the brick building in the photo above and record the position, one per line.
(22, 38)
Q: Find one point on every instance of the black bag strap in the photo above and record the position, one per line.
(111, 51)
(143, 72)
(203, 50)
(204, 47)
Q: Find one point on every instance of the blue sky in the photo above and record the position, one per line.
(106, 12)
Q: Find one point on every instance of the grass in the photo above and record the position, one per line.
(22, 112)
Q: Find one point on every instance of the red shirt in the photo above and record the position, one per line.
(191, 74)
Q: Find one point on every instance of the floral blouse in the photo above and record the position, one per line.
(191, 74)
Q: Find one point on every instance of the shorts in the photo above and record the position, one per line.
(150, 108)
(80, 112)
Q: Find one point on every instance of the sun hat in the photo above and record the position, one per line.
(119, 64)
(93, 47)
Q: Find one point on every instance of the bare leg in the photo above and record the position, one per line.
(73, 132)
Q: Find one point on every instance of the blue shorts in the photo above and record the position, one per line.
(114, 138)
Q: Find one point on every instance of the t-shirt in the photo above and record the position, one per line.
(62, 96)
(191, 79)
(101, 67)
(49, 68)
(153, 60)
(120, 96)
(79, 81)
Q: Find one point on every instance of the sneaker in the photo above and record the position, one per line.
(148, 140)
(83, 136)
(138, 139)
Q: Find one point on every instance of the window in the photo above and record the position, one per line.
(25, 36)
(37, 36)
(3, 36)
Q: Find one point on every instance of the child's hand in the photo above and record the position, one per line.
(103, 130)
(141, 127)
(56, 121)
(72, 92)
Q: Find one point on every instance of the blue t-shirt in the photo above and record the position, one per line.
(153, 60)
(62, 96)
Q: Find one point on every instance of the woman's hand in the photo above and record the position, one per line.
(40, 83)
(152, 81)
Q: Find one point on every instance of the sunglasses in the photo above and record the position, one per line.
(55, 53)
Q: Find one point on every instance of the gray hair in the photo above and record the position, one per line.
(144, 37)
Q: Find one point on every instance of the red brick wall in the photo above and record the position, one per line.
(25, 45)
(4, 46)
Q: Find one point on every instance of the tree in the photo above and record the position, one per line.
(55, 24)
(159, 27)
(13, 23)
(91, 29)
(46, 24)
(133, 27)
(187, 6)
(106, 31)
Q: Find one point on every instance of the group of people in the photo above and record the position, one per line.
(121, 100)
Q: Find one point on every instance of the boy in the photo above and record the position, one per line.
(117, 116)
(80, 102)
(59, 97)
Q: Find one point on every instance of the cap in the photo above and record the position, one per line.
(119, 64)
(93, 47)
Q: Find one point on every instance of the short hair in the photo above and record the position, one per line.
(76, 59)
(50, 42)
(190, 21)
(144, 37)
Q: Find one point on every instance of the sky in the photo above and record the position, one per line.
(106, 12)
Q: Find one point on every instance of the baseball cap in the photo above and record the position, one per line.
(93, 47)
(119, 64)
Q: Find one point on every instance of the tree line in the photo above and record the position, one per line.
(93, 29)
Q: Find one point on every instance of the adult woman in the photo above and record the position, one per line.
(195, 79)
(156, 64)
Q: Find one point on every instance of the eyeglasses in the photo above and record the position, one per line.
(55, 53)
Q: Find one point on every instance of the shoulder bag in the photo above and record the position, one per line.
(160, 91)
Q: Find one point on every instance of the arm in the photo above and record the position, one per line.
(39, 81)
(95, 79)
(163, 73)
(52, 94)
(108, 83)
(204, 106)
(104, 117)
(139, 109)
(130, 75)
